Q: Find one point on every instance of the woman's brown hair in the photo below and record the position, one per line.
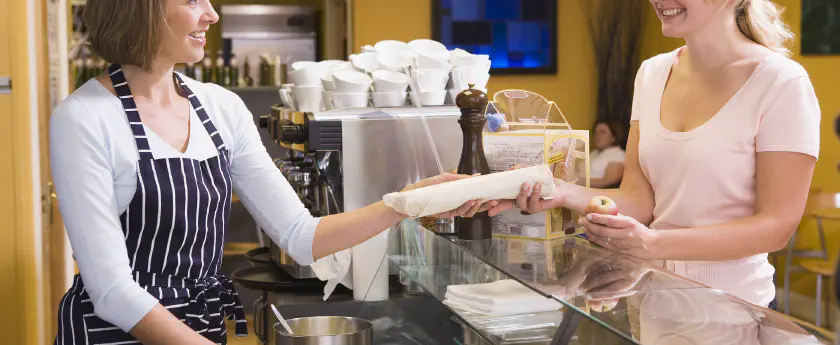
(617, 129)
(125, 32)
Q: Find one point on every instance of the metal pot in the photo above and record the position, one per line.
(325, 330)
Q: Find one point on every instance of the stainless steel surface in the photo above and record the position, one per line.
(381, 156)
(325, 330)
(288, 32)
(377, 156)
(266, 21)
(384, 155)
(5, 85)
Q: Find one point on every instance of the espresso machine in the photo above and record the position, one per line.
(344, 159)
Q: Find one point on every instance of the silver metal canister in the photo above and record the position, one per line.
(325, 330)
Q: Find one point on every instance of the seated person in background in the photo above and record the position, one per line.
(606, 161)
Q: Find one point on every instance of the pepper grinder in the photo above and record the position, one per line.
(472, 104)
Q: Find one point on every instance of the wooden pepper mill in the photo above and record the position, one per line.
(472, 104)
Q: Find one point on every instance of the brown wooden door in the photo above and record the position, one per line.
(10, 289)
(31, 252)
(53, 240)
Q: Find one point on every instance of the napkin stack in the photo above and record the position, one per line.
(449, 196)
(503, 297)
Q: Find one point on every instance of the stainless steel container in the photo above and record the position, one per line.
(325, 330)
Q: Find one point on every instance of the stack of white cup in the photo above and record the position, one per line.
(468, 69)
(352, 89)
(432, 73)
(385, 74)
(305, 94)
(390, 88)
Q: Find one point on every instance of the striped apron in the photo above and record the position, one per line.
(174, 231)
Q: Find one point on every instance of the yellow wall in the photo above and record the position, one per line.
(573, 87)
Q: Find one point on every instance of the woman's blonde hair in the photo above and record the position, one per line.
(761, 21)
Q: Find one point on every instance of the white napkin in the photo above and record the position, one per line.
(448, 196)
(334, 269)
(503, 297)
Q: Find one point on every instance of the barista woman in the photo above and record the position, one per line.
(145, 161)
(723, 141)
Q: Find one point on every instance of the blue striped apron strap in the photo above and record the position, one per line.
(127, 100)
(202, 115)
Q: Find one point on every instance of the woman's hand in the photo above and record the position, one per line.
(616, 276)
(530, 200)
(622, 234)
(467, 210)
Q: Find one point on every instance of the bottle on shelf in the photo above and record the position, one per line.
(206, 70)
(247, 81)
(472, 104)
(218, 71)
(189, 70)
(79, 67)
(267, 70)
(234, 73)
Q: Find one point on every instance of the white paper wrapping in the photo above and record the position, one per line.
(448, 196)
(334, 269)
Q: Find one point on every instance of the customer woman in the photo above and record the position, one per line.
(723, 141)
(145, 161)
(606, 162)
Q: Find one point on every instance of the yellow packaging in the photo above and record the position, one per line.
(527, 136)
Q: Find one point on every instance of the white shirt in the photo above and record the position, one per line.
(93, 157)
(599, 160)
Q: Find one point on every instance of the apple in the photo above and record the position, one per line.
(601, 205)
(602, 306)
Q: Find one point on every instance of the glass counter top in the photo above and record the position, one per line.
(575, 291)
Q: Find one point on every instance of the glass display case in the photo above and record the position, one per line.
(569, 291)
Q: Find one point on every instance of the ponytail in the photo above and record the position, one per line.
(760, 21)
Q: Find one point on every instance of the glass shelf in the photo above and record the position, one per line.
(573, 292)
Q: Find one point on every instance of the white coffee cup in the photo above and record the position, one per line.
(351, 81)
(394, 62)
(388, 99)
(391, 47)
(436, 97)
(308, 98)
(431, 79)
(432, 62)
(326, 99)
(288, 100)
(366, 62)
(463, 76)
(429, 47)
(471, 60)
(307, 76)
(350, 100)
(301, 65)
(390, 81)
